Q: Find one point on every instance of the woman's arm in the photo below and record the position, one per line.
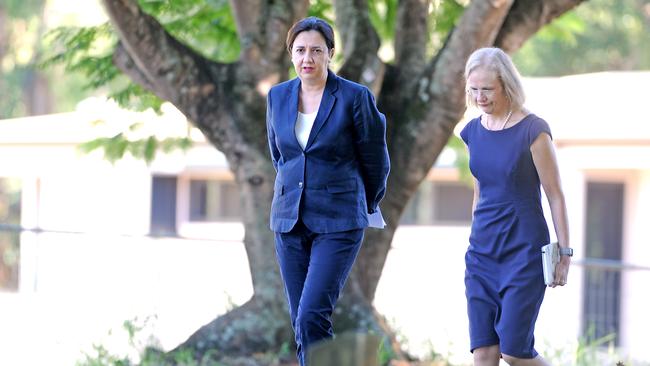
(543, 153)
(275, 153)
(370, 140)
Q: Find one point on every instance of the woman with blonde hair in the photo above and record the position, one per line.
(511, 154)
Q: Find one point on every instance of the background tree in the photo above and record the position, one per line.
(602, 35)
(26, 89)
(186, 52)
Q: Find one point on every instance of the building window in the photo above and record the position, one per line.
(604, 236)
(439, 203)
(10, 204)
(214, 200)
(163, 205)
(190, 206)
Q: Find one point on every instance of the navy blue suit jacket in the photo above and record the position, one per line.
(341, 174)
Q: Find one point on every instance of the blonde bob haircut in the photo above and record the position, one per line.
(494, 59)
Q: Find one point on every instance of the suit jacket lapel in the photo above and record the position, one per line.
(326, 104)
(290, 106)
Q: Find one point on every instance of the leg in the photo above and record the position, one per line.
(520, 306)
(514, 361)
(293, 250)
(482, 311)
(487, 356)
(332, 257)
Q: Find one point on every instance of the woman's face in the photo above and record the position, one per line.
(485, 88)
(310, 56)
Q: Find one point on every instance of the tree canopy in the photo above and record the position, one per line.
(601, 35)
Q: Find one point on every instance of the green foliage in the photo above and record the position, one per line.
(383, 16)
(385, 353)
(446, 14)
(117, 146)
(22, 9)
(599, 35)
(436, 358)
(587, 351)
(134, 97)
(206, 26)
(442, 17)
(322, 9)
(10, 89)
(152, 356)
(79, 47)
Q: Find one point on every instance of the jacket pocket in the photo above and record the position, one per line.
(348, 185)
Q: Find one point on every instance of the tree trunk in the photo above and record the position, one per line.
(422, 99)
(4, 32)
(4, 45)
(37, 94)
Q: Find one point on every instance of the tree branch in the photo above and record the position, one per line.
(262, 27)
(124, 62)
(168, 68)
(411, 36)
(440, 95)
(4, 32)
(526, 18)
(246, 13)
(360, 43)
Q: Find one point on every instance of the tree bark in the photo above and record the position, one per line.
(422, 99)
(4, 45)
(4, 32)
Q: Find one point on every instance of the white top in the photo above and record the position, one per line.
(304, 123)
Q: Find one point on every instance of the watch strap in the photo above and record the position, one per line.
(566, 251)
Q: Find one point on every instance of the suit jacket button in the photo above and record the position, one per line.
(300, 184)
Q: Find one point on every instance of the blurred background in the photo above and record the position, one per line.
(108, 244)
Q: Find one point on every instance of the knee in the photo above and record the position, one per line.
(310, 322)
(512, 360)
(487, 355)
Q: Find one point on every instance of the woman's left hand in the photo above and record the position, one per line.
(561, 271)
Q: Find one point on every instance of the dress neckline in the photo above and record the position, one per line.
(504, 129)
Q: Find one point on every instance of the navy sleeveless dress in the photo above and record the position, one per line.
(504, 282)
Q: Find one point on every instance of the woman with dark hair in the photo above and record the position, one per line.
(328, 147)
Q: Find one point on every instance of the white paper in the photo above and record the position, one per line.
(376, 220)
(550, 259)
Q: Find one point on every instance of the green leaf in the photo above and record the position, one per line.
(150, 149)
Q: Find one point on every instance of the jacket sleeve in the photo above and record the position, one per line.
(275, 153)
(370, 141)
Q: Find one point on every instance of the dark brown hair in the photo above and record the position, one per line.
(311, 23)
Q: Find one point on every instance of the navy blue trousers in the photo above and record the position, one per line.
(314, 268)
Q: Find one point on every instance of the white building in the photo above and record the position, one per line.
(109, 242)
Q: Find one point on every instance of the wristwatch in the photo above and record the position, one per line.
(566, 251)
